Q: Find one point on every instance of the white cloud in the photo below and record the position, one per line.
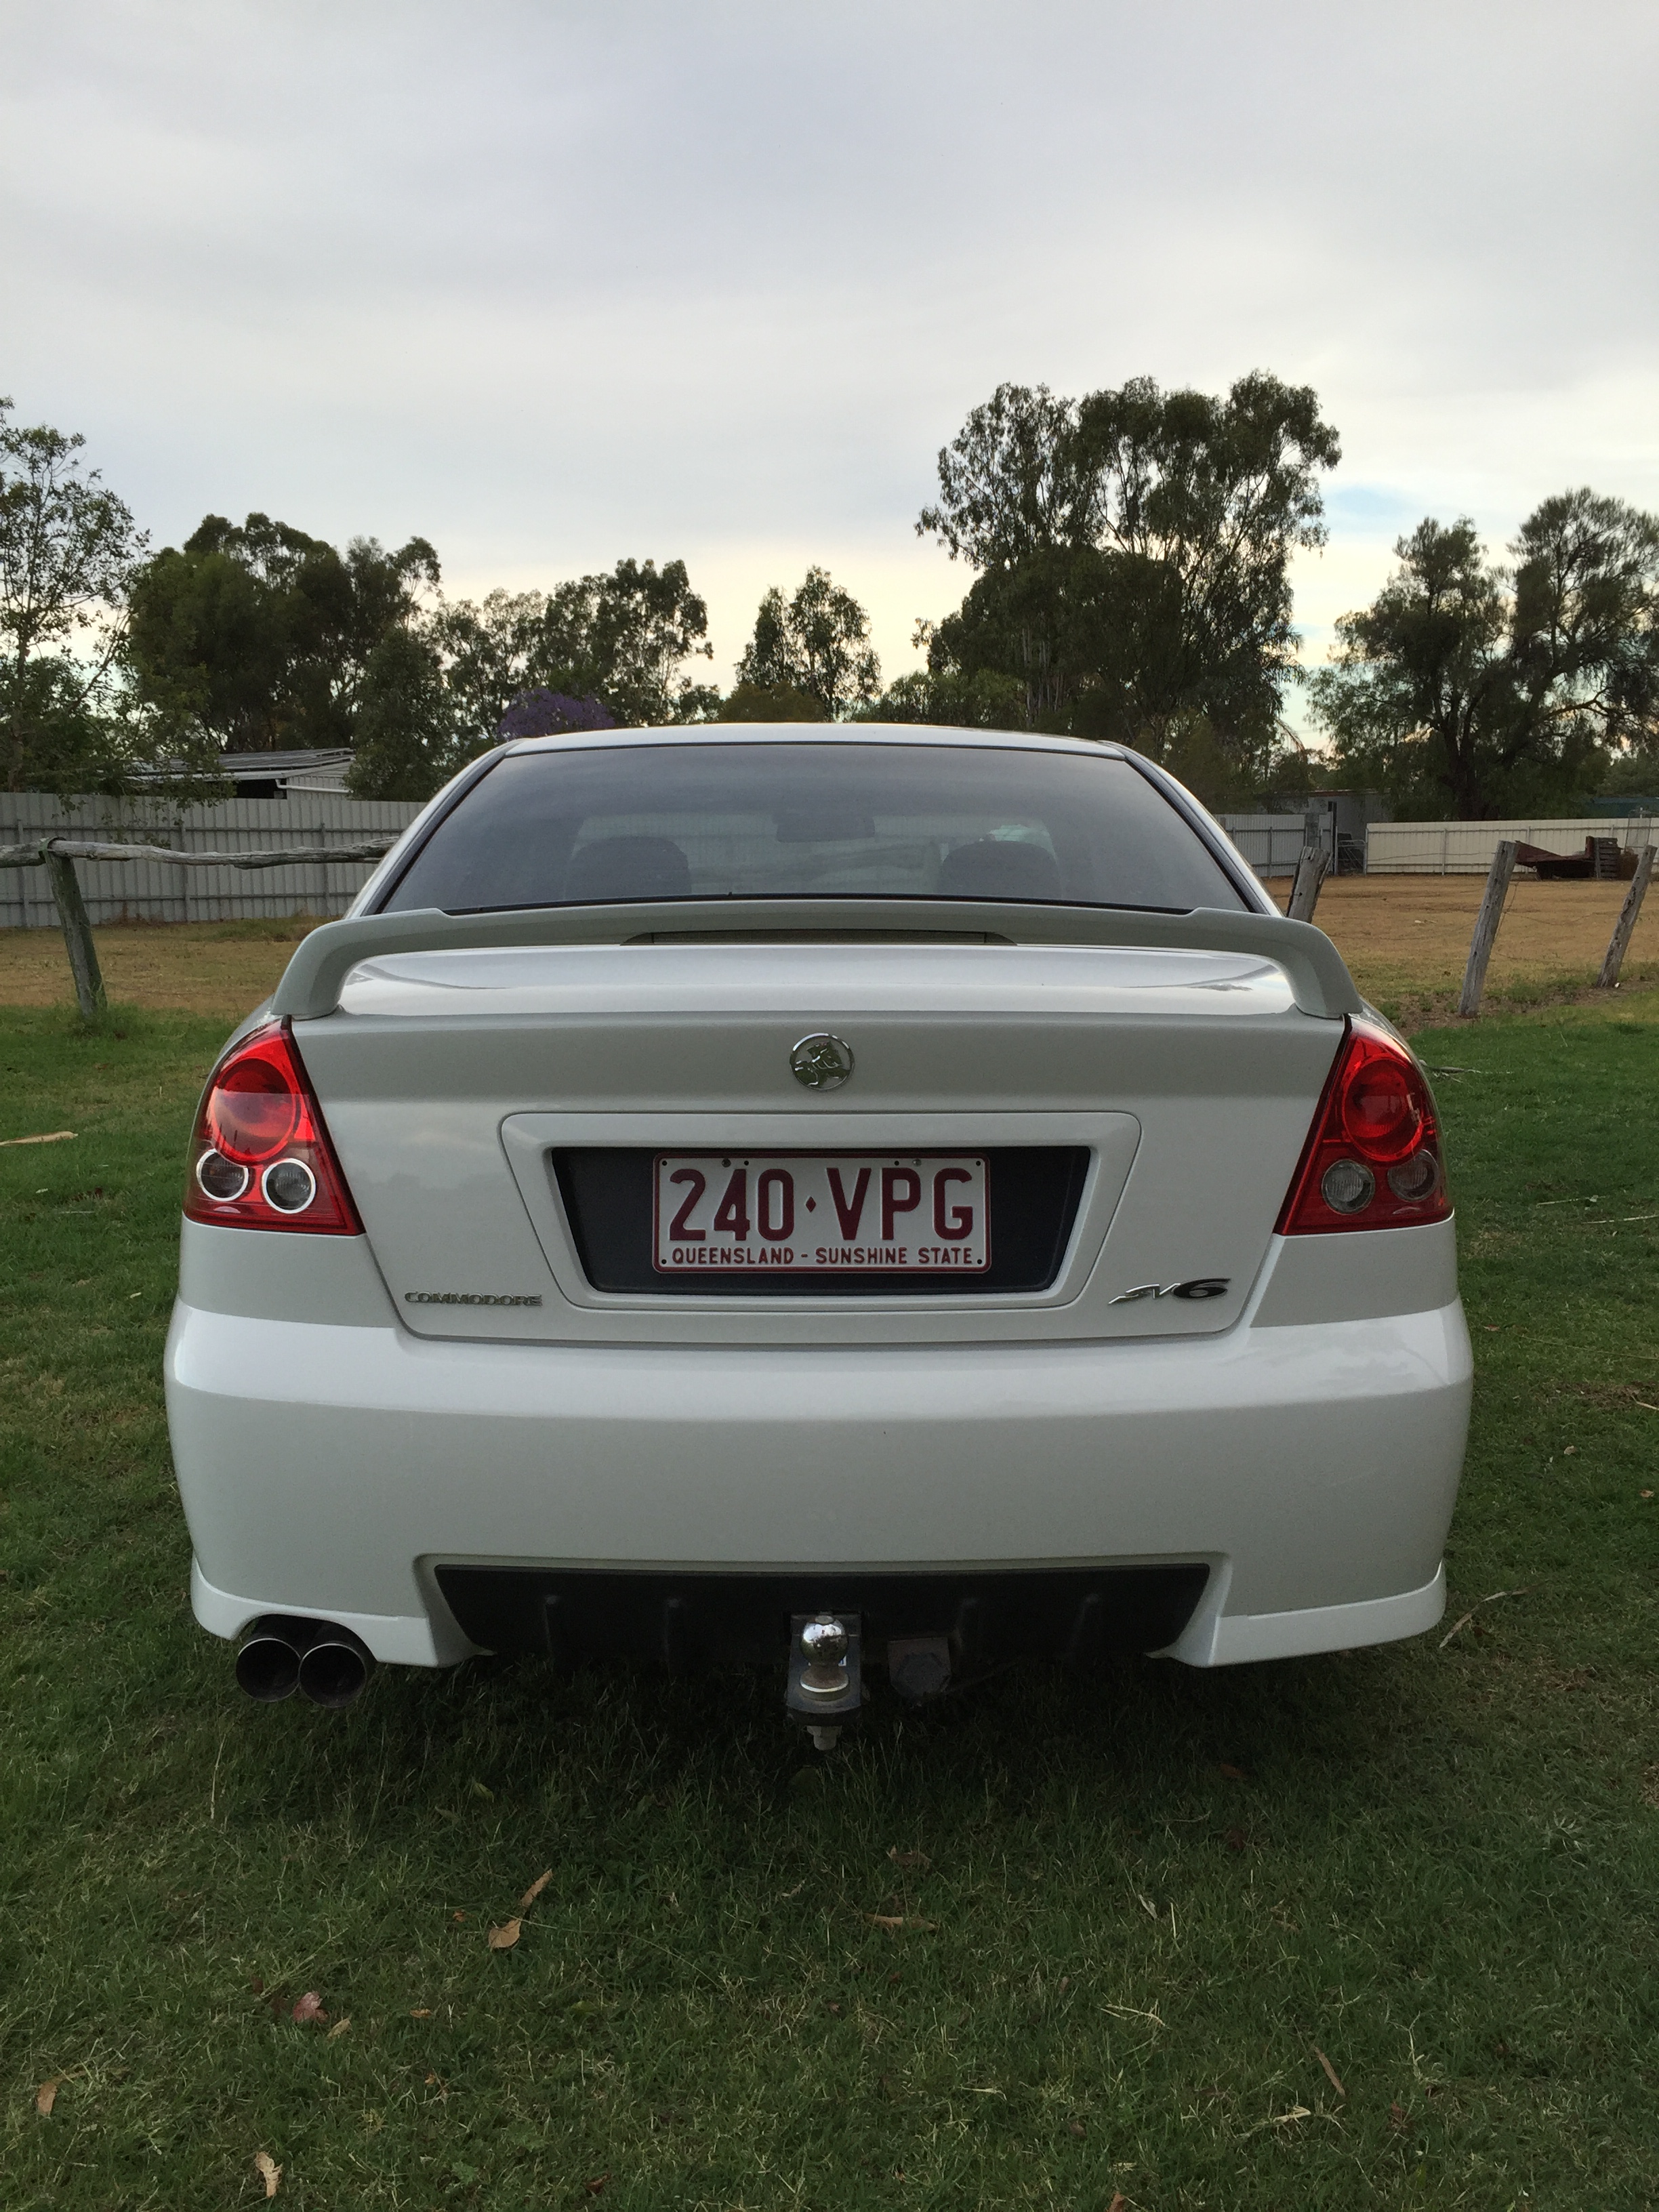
(555, 284)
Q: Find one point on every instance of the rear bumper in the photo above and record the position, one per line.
(1310, 1469)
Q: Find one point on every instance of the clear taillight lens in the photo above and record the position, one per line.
(1372, 1159)
(260, 1157)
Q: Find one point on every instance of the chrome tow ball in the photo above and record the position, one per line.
(825, 1688)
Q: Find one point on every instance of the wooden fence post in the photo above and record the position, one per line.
(1486, 927)
(77, 934)
(1624, 929)
(1304, 887)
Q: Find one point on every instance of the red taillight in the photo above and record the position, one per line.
(1372, 1158)
(260, 1157)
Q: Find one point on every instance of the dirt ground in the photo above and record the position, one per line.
(1405, 938)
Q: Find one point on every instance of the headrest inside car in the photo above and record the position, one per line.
(998, 867)
(626, 868)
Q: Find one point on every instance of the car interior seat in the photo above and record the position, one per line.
(1000, 867)
(626, 868)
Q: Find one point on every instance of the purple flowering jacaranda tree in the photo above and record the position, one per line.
(540, 712)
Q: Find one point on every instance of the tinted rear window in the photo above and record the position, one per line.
(813, 820)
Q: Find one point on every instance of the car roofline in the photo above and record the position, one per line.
(820, 733)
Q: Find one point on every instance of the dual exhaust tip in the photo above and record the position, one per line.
(327, 1663)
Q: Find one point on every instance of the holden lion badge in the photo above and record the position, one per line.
(821, 1062)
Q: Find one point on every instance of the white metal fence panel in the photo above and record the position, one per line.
(1465, 848)
(1271, 843)
(150, 891)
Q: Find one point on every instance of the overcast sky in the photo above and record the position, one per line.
(552, 284)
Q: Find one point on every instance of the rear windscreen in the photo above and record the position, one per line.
(696, 820)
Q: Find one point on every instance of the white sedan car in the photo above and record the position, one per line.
(842, 1197)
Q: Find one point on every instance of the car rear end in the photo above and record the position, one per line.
(760, 1187)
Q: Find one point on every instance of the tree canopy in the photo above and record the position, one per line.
(612, 645)
(1134, 548)
(1475, 689)
(266, 636)
(1132, 552)
(69, 548)
(816, 643)
(769, 702)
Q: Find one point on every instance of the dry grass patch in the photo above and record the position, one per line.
(220, 968)
(1406, 938)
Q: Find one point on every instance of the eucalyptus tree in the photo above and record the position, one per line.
(1133, 549)
(1474, 687)
(816, 643)
(69, 548)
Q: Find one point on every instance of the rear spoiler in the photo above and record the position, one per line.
(311, 985)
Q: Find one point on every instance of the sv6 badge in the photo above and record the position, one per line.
(1199, 1286)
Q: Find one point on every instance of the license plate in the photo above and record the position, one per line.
(822, 1213)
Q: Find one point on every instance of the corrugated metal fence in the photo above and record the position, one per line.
(141, 890)
(1271, 843)
(1466, 848)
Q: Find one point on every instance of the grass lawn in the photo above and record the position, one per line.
(1135, 1912)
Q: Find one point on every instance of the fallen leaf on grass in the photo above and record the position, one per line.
(504, 1937)
(1119, 2202)
(1330, 2071)
(894, 1922)
(422, 2012)
(596, 2187)
(908, 1858)
(1234, 1839)
(45, 2096)
(535, 1890)
(338, 2028)
(1396, 2116)
(1077, 2128)
(269, 2172)
(1234, 1773)
(309, 2007)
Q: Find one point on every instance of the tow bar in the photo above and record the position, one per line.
(824, 1689)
